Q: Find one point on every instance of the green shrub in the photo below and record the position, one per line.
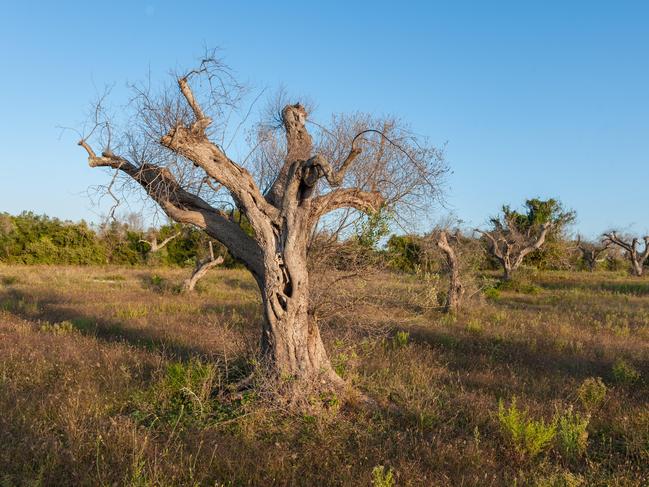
(572, 434)
(492, 293)
(592, 393)
(382, 477)
(404, 253)
(529, 437)
(624, 373)
(400, 339)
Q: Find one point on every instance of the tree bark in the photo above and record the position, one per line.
(290, 338)
(507, 269)
(455, 288)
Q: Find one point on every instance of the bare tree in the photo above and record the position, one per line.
(515, 235)
(155, 246)
(170, 147)
(455, 287)
(630, 245)
(202, 266)
(591, 251)
(510, 247)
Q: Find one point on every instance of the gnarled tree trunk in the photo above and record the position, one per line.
(455, 287)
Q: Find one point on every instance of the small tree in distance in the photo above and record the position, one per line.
(455, 287)
(591, 251)
(631, 247)
(515, 235)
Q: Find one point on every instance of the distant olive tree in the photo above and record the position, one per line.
(632, 250)
(515, 235)
(592, 252)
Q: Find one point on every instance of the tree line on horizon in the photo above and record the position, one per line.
(32, 239)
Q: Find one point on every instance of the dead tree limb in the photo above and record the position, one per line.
(202, 266)
(155, 246)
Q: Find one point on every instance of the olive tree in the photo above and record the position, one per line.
(515, 235)
(592, 252)
(172, 144)
(631, 248)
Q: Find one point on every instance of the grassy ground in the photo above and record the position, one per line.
(109, 377)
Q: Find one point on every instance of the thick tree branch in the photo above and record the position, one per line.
(193, 144)
(364, 201)
(183, 206)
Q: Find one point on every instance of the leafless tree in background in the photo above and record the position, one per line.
(172, 144)
(510, 246)
(630, 245)
(202, 267)
(455, 288)
(591, 252)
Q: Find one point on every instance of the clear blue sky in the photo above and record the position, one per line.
(534, 98)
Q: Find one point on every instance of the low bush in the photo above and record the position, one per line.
(624, 372)
(572, 434)
(592, 393)
(528, 436)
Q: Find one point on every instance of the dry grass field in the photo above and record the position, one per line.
(108, 376)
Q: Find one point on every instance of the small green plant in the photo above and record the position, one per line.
(492, 293)
(340, 363)
(572, 434)
(382, 477)
(592, 393)
(474, 326)
(62, 328)
(401, 339)
(624, 372)
(529, 437)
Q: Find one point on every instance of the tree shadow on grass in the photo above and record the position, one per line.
(52, 308)
(537, 359)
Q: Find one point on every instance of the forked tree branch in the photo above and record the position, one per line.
(155, 246)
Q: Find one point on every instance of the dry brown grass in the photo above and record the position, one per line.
(127, 390)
